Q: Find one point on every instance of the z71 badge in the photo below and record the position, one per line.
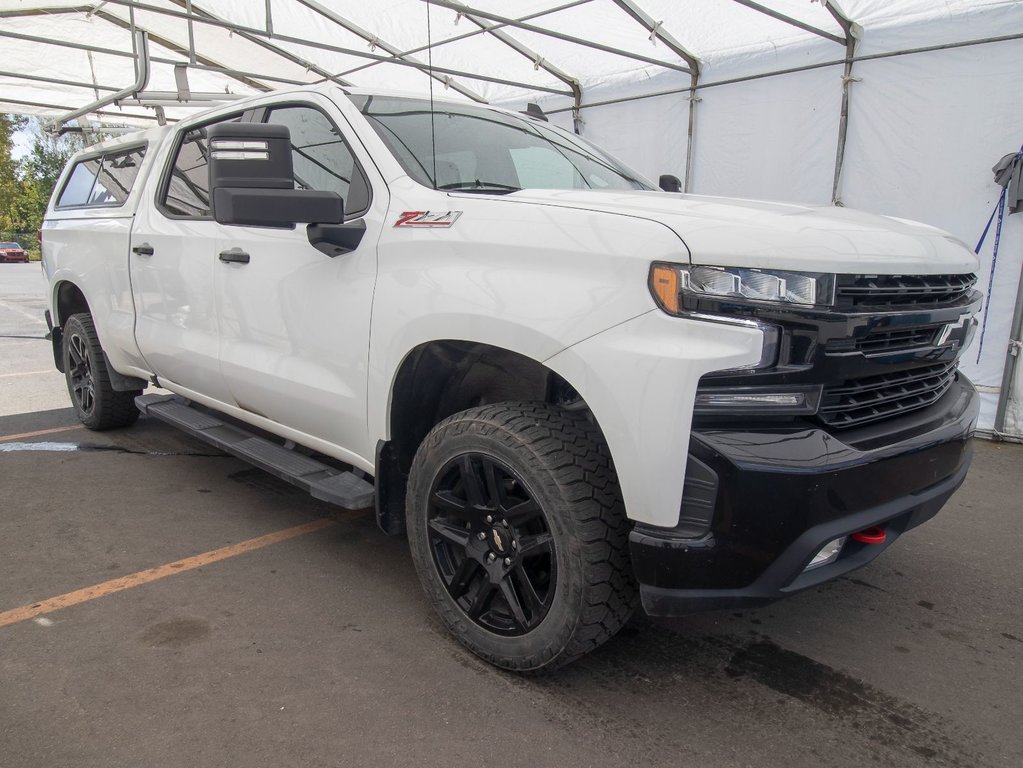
(427, 218)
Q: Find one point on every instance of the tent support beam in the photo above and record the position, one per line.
(376, 42)
(252, 34)
(155, 59)
(459, 8)
(172, 46)
(789, 20)
(201, 16)
(59, 81)
(657, 31)
(46, 105)
(1012, 356)
(141, 80)
(852, 32)
(474, 33)
(538, 61)
(694, 84)
(794, 70)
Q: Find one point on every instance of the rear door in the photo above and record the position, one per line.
(172, 266)
(294, 322)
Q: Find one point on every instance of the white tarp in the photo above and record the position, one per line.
(924, 128)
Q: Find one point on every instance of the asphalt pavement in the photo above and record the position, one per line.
(237, 622)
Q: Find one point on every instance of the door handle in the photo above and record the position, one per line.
(234, 256)
(145, 249)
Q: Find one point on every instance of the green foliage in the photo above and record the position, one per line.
(26, 183)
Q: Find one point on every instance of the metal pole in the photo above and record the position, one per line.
(376, 42)
(1012, 355)
(693, 100)
(252, 32)
(460, 8)
(474, 33)
(852, 32)
(141, 80)
(789, 20)
(191, 32)
(793, 70)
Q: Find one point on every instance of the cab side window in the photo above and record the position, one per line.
(187, 190)
(321, 158)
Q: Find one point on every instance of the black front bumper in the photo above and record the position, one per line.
(784, 493)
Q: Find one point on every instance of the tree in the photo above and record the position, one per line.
(11, 188)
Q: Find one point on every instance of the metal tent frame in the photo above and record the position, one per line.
(487, 24)
(498, 27)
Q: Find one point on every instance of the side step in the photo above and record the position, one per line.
(323, 482)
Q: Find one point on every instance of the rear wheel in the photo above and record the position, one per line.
(519, 535)
(97, 404)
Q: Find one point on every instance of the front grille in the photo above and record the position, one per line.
(902, 291)
(891, 341)
(861, 401)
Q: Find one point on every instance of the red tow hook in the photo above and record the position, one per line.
(872, 535)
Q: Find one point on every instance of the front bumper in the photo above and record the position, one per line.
(784, 493)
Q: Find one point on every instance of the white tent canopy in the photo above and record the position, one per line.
(895, 106)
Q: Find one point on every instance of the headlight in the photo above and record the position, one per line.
(670, 282)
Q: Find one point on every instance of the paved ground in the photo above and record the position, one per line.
(321, 651)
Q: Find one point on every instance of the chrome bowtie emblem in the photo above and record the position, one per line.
(949, 328)
(498, 541)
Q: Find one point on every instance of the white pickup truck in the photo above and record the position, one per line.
(576, 392)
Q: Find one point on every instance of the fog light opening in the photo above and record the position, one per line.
(872, 535)
(828, 553)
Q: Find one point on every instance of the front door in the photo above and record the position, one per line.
(294, 322)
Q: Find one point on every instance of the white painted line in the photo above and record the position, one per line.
(23, 312)
(42, 621)
(27, 373)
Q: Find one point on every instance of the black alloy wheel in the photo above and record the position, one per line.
(518, 533)
(491, 544)
(81, 385)
(97, 404)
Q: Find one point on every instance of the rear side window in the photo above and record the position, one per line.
(187, 190)
(104, 181)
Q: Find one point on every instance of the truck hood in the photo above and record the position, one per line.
(725, 231)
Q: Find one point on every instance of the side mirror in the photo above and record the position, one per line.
(669, 183)
(252, 182)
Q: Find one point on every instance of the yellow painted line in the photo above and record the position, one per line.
(23, 435)
(49, 605)
(27, 373)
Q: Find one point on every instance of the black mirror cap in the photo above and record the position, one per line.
(250, 155)
(669, 183)
(278, 208)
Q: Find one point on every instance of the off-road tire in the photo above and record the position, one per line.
(103, 407)
(564, 461)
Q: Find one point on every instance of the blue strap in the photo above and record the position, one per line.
(1000, 210)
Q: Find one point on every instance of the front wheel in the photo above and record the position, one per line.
(97, 404)
(519, 536)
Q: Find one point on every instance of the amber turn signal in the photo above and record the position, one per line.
(664, 286)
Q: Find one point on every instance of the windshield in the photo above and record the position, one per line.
(483, 150)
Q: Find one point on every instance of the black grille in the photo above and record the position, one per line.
(861, 401)
(902, 290)
(891, 341)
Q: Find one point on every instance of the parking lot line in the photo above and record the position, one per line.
(26, 373)
(54, 430)
(138, 578)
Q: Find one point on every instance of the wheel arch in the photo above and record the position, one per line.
(67, 299)
(439, 378)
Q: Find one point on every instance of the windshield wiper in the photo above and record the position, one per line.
(486, 187)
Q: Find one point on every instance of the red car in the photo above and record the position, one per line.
(13, 252)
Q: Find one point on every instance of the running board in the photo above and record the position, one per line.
(320, 480)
